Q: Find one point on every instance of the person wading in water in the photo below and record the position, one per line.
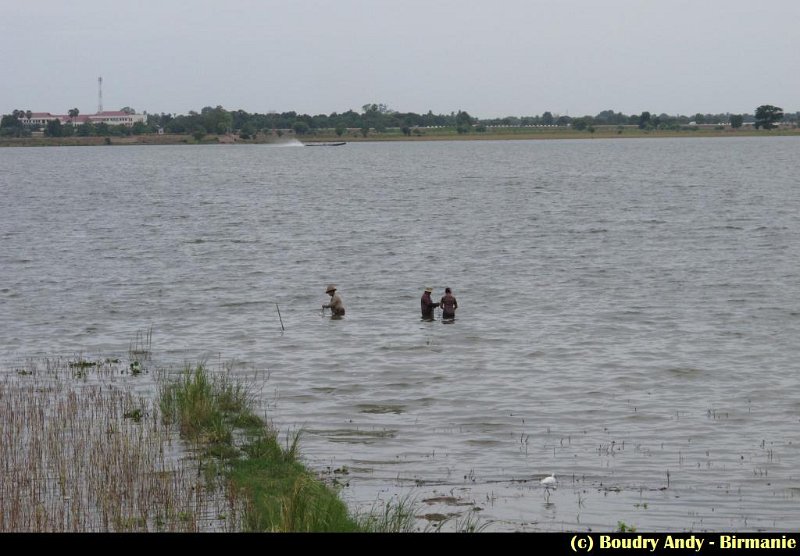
(448, 305)
(336, 305)
(427, 304)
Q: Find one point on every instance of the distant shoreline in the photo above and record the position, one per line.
(428, 135)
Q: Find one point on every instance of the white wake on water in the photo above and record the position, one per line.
(287, 143)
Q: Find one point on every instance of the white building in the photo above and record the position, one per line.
(38, 119)
(105, 117)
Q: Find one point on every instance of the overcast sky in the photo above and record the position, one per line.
(491, 58)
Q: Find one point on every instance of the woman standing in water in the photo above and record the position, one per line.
(448, 305)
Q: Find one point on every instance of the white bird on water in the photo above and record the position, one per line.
(549, 482)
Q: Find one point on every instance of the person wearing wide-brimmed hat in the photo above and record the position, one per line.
(427, 304)
(336, 305)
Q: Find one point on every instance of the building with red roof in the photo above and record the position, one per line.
(106, 117)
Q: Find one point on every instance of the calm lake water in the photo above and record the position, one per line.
(629, 311)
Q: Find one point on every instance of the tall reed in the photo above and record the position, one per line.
(81, 451)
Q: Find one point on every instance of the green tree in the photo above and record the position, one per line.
(198, 133)
(665, 121)
(547, 118)
(73, 112)
(155, 121)
(644, 120)
(321, 121)
(53, 128)
(580, 124)
(248, 131)
(736, 121)
(340, 129)
(218, 120)
(300, 127)
(767, 115)
(85, 130)
(609, 117)
(351, 118)
(463, 122)
(376, 115)
(655, 122)
(10, 125)
(139, 128)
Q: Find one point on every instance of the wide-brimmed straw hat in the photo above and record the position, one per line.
(429, 289)
(331, 288)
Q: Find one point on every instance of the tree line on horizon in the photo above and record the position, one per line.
(377, 118)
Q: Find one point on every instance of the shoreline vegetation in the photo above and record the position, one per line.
(376, 122)
(84, 451)
(214, 414)
(105, 446)
(441, 134)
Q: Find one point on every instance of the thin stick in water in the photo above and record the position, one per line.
(279, 316)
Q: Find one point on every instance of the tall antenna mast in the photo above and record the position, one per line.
(99, 94)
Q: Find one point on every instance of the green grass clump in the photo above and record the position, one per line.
(281, 494)
(392, 517)
(206, 407)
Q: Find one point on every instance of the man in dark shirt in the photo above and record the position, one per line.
(427, 304)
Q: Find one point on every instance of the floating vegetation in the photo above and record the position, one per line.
(139, 351)
(623, 527)
(134, 414)
(381, 409)
(141, 345)
(468, 522)
(355, 436)
(81, 364)
(436, 517)
(448, 500)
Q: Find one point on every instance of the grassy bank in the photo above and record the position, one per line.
(152, 139)
(215, 415)
(443, 134)
(552, 133)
